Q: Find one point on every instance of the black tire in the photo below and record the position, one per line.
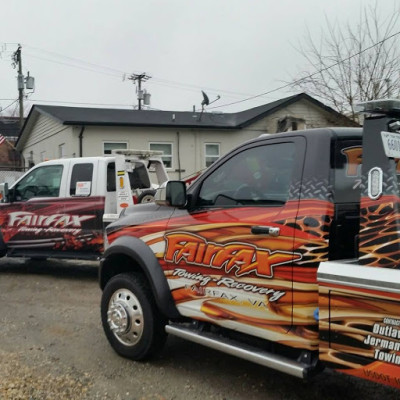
(146, 197)
(131, 320)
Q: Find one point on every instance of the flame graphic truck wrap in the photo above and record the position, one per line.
(284, 252)
(57, 209)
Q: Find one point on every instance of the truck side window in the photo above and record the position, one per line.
(347, 172)
(345, 226)
(139, 177)
(80, 173)
(257, 176)
(111, 184)
(41, 182)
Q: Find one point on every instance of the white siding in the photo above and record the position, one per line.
(191, 143)
(48, 134)
(315, 117)
(45, 138)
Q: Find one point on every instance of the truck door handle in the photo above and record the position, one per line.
(265, 230)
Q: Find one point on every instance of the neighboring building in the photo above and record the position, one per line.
(191, 141)
(9, 132)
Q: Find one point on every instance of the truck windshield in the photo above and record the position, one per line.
(41, 182)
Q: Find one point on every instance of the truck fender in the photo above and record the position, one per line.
(140, 257)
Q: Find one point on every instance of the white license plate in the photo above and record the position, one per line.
(391, 144)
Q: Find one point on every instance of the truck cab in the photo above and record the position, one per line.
(242, 251)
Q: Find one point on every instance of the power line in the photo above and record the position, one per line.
(80, 102)
(71, 102)
(178, 85)
(76, 60)
(77, 102)
(72, 65)
(121, 74)
(194, 88)
(5, 108)
(311, 75)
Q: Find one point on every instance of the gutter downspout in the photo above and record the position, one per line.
(81, 141)
(179, 155)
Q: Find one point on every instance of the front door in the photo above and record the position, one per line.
(30, 224)
(229, 257)
(54, 212)
(85, 201)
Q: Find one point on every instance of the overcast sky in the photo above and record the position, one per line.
(79, 50)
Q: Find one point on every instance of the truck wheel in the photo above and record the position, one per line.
(131, 321)
(147, 196)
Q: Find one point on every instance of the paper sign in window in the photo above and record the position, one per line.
(83, 188)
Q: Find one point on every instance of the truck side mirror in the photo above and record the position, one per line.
(4, 194)
(171, 193)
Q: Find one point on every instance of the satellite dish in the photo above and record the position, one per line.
(206, 100)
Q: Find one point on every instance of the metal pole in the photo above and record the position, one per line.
(140, 77)
(20, 87)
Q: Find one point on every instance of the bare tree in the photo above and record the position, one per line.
(12, 109)
(356, 62)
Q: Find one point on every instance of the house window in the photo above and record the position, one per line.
(211, 153)
(166, 148)
(109, 146)
(30, 160)
(288, 124)
(61, 150)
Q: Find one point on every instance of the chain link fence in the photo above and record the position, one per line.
(10, 176)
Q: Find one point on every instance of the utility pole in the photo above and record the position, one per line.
(29, 82)
(139, 77)
(17, 58)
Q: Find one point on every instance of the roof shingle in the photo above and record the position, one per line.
(118, 117)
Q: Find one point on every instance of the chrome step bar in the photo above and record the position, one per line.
(241, 350)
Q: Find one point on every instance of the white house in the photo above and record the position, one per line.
(190, 141)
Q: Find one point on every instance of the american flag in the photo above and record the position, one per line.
(2, 139)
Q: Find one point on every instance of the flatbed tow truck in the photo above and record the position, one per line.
(59, 208)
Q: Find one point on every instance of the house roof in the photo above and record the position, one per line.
(84, 116)
(117, 117)
(9, 126)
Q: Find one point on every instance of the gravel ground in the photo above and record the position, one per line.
(52, 347)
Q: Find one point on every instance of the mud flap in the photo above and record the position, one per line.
(3, 246)
(359, 321)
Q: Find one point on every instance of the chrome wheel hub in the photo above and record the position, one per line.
(118, 318)
(125, 317)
